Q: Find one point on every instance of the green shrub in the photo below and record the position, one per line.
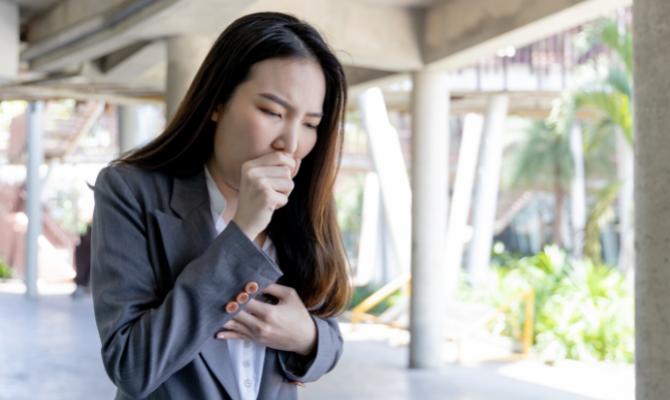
(582, 311)
(5, 270)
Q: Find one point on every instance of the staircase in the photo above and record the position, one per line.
(56, 246)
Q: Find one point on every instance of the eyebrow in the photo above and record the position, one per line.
(286, 105)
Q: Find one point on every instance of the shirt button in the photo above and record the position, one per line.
(246, 363)
(247, 383)
(247, 344)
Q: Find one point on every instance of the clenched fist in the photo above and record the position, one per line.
(265, 185)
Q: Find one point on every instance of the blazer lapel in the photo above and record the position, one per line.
(217, 357)
(272, 378)
(186, 236)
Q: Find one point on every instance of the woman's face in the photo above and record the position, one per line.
(276, 109)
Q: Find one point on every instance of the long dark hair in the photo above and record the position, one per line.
(305, 231)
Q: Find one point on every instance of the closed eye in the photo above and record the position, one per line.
(311, 126)
(274, 114)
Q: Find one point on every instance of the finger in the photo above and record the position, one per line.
(225, 335)
(275, 199)
(274, 158)
(270, 172)
(298, 384)
(252, 322)
(278, 291)
(237, 326)
(279, 200)
(281, 185)
(258, 308)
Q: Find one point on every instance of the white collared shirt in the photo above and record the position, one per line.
(247, 357)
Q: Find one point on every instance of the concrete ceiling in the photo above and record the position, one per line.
(120, 41)
(404, 3)
(29, 8)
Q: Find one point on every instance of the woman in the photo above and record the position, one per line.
(217, 262)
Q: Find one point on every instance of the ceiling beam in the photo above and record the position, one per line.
(90, 44)
(50, 92)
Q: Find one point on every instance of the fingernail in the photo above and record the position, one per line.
(221, 336)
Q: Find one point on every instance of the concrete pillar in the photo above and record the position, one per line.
(33, 186)
(460, 202)
(127, 125)
(625, 161)
(384, 144)
(430, 187)
(9, 45)
(486, 194)
(367, 248)
(577, 191)
(651, 30)
(185, 55)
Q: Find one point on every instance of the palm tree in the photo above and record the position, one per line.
(611, 95)
(600, 214)
(543, 158)
(611, 98)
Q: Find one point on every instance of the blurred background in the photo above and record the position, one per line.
(530, 106)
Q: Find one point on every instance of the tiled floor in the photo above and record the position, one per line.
(373, 370)
(49, 349)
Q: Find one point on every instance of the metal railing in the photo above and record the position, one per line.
(360, 312)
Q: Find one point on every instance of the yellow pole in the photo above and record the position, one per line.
(378, 296)
(528, 322)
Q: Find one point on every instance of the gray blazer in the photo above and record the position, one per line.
(161, 279)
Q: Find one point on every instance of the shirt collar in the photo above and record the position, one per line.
(217, 202)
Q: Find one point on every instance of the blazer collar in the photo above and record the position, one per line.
(189, 193)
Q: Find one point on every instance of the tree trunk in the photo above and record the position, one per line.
(543, 242)
(558, 212)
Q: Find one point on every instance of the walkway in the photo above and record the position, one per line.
(49, 349)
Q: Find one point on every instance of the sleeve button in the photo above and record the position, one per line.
(232, 307)
(242, 298)
(251, 287)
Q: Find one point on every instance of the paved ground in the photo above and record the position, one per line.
(49, 349)
(372, 370)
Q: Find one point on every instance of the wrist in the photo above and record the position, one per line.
(251, 233)
(312, 342)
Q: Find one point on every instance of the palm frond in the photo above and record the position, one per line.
(607, 32)
(599, 214)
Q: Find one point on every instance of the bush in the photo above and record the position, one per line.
(5, 270)
(582, 311)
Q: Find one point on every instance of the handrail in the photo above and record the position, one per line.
(528, 323)
(359, 313)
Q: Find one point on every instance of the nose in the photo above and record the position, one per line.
(288, 139)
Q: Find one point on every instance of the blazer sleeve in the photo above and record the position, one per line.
(323, 359)
(146, 339)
